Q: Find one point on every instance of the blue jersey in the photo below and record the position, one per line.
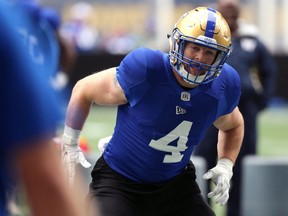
(29, 106)
(41, 41)
(157, 130)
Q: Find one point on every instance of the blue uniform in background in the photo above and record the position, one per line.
(28, 102)
(162, 120)
(37, 28)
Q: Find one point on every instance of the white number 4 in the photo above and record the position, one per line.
(162, 144)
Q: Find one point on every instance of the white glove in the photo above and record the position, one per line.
(221, 175)
(103, 143)
(71, 152)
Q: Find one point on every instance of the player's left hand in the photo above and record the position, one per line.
(221, 175)
(103, 143)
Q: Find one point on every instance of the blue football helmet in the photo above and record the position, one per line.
(205, 27)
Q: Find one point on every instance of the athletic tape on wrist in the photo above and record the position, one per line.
(71, 136)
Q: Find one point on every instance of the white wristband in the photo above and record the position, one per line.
(71, 136)
(225, 162)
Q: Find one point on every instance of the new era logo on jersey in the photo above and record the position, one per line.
(185, 96)
(180, 110)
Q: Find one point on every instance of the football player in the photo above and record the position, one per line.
(29, 119)
(166, 102)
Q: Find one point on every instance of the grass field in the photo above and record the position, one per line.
(273, 132)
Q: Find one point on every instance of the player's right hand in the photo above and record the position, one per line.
(71, 156)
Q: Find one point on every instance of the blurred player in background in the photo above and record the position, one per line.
(166, 102)
(38, 31)
(44, 36)
(29, 118)
(257, 71)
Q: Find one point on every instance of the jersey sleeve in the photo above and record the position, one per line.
(132, 75)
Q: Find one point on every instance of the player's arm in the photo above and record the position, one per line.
(231, 131)
(101, 88)
(230, 137)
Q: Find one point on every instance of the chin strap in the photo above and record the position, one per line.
(189, 76)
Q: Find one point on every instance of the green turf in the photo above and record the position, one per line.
(100, 123)
(273, 132)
